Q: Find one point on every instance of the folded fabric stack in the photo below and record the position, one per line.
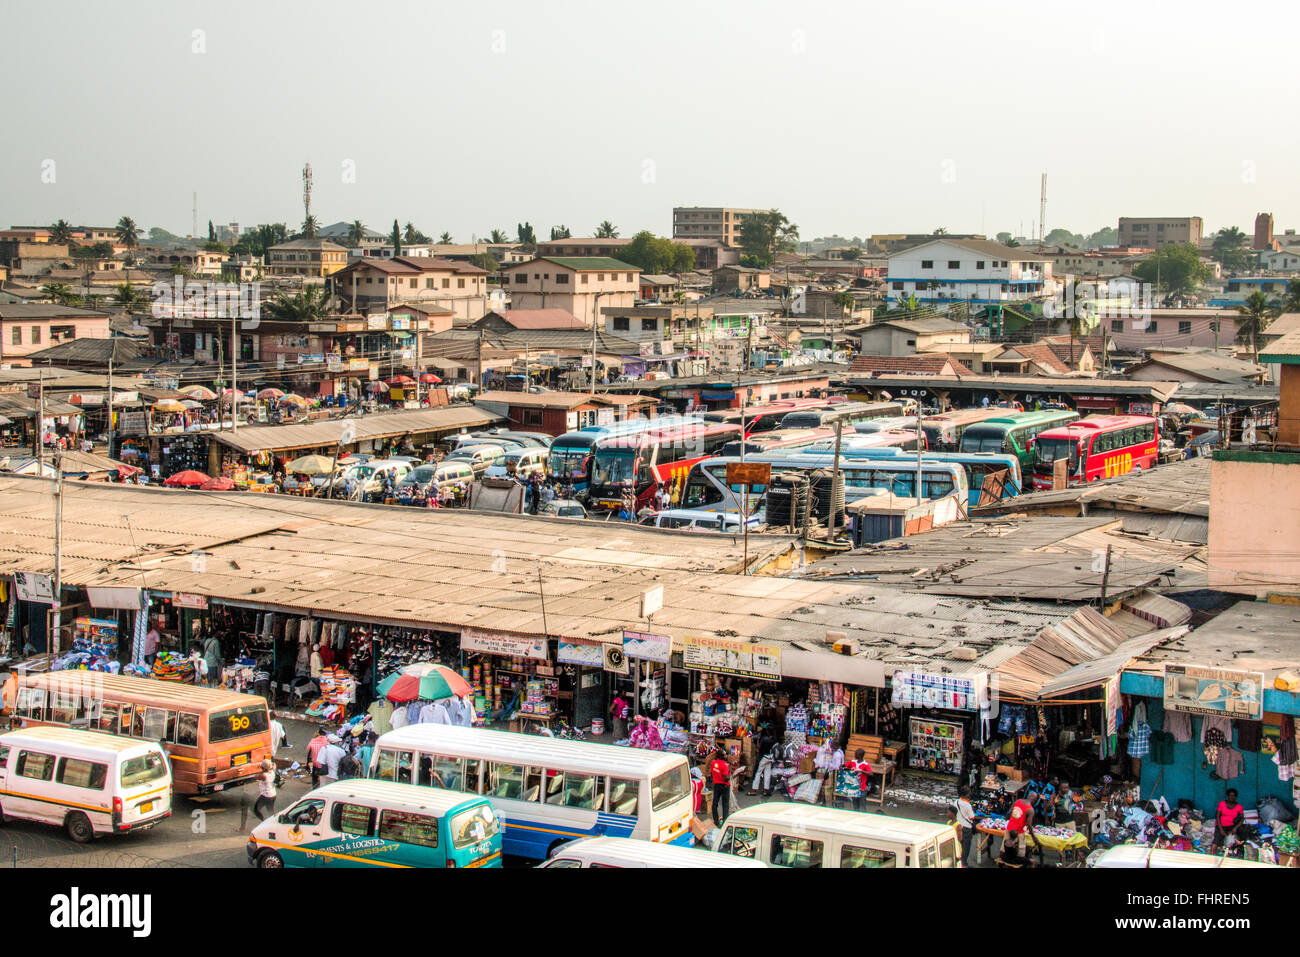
(95, 647)
(169, 666)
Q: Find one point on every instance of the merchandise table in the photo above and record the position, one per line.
(1067, 847)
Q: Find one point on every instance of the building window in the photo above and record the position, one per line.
(954, 264)
(428, 283)
(897, 287)
(562, 278)
(649, 325)
(629, 277)
(36, 335)
(620, 324)
(585, 277)
(411, 282)
(1151, 327)
(446, 284)
(1184, 328)
(16, 336)
(927, 263)
(460, 283)
(979, 264)
(519, 278)
(600, 277)
(1117, 325)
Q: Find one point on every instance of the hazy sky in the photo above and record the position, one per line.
(850, 117)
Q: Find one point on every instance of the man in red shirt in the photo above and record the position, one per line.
(314, 747)
(1019, 823)
(720, 775)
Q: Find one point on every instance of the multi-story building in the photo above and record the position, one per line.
(1286, 259)
(1240, 288)
(1263, 232)
(1157, 231)
(975, 271)
(580, 284)
(905, 337)
(583, 247)
(306, 257)
(718, 223)
(379, 282)
(31, 327)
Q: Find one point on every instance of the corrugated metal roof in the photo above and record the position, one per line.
(284, 438)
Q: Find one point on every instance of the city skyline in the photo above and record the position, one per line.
(470, 120)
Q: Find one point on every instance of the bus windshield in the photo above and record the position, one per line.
(473, 825)
(982, 440)
(673, 785)
(567, 461)
(237, 722)
(1048, 450)
(614, 467)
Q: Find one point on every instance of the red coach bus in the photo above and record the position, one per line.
(647, 459)
(764, 416)
(1098, 447)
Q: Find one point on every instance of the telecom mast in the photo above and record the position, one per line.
(1042, 212)
(306, 192)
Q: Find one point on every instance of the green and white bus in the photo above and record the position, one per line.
(365, 823)
(1013, 434)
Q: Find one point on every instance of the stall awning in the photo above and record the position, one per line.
(1092, 673)
(828, 666)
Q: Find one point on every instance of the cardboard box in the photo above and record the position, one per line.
(1008, 770)
(806, 764)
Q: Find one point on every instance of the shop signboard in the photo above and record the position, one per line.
(727, 656)
(580, 653)
(376, 323)
(311, 358)
(34, 586)
(647, 647)
(1221, 691)
(181, 599)
(109, 596)
(334, 362)
(915, 689)
(358, 365)
(507, 645)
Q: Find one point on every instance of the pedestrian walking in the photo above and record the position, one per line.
(314, 748)
(965, 825)
(720, 775)
(279, 738)
(618, 712)
(266, 791)
(212, 658)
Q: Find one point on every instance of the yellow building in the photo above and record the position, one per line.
(306, 257)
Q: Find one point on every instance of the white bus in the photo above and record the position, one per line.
(86, 782)
(546, 791)
(622, 852)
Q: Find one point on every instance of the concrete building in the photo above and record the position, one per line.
(592, 246)
(1173, 328)
(710, 254)
(905, 337)
(720, 224)
(1238, 289)
(968, 270)
(1204, 366)
(1284, 260)
(379, 282)
(1157, 231)
(306, 257)
(740, 279)
(578, 284)
(1263, 232)
(31, 327)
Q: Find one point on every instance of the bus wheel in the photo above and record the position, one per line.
(269, 858)
(78, 828)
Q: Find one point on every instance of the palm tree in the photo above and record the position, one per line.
(61, 233)
(312, 302)
(497, 238)
(941, 231)
(606, 230)
(445, 239)
(1013, 242)
(61, 293)
(1229, 247)
(1292, 301)
(356, 233)
(126, 297)
(128, 234)
(1256, 311)
(309, 227)
(412, 235)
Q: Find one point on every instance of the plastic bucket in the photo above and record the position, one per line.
(597, 726)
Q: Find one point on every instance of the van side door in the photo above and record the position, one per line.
(350, 827)
(742, 840)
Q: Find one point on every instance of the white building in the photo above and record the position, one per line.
(1286, 259)
(976, 271)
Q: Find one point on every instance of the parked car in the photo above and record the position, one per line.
(699, 520)
(566, 508)
(369, 476)
(520, 464)
(478, 457)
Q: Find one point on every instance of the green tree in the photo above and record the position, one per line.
(683, 258)
(1063, 237)
(606, 230)
(1230, 247)
(852, 253)
(525, 234)
(1106, 236)
(485, 261)
(497, 237)
(1012, 243)
(213, 246)
(356, 233)
(411, 235)
(763, 235)
(941, 231)
(1004, 238)
(1256, 313)
(126, 298)
(212, 233)
(310, 226)
(560, 232)
(61, 293)
(445, 239)
(61, 233)
(128, 234)
(395, 237)
(311, 302)
(1175, 268)
(1292, 301)
(844, 299)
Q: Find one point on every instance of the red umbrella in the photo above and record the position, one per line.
(430, 379)
(218, 484)
(187, 478)
(428, 682)
(379, 385)
(401, 380)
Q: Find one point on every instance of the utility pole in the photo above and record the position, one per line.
(419, 370)
(234, 374)
(480, 358)
(56, 612)
(40, 425)
(835, 480)
(110, 407)
(920, 440)
(595, 316)
(1105, 579)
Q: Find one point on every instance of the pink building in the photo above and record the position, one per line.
(1173, 329)
(30, 327)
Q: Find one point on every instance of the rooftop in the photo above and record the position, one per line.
(1205, 364)
(983, 246)
(326, 432)
(929, 362)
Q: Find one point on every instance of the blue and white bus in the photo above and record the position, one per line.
(546, 790)
(569, 458)
(976, 464)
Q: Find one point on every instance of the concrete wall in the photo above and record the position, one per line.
(1255, 523)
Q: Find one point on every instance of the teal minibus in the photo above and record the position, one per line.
(364, 823)
(1013, 434)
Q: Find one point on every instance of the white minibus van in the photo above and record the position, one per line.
(804, 835)
(628, 852)
(87, 782)
(547, 790)
(1136, 855)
